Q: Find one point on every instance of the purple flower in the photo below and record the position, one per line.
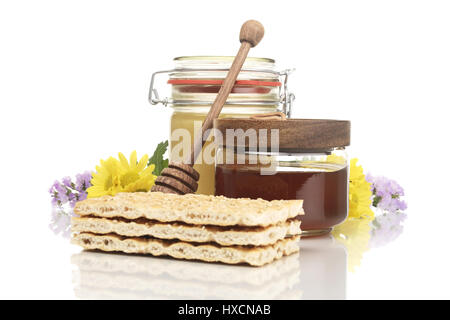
(83, 181)
(65, 195)
(82, 195)
(58, 193)
(69, 192)
(54, 193)
(386, 194)
(67, 182)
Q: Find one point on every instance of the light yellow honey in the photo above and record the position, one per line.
(185, 120)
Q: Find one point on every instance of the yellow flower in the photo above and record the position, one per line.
(360, 194)
(114, 176)
(134, 175)
(354, 232)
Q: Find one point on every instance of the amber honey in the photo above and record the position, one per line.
(324, 191)
(276, 159)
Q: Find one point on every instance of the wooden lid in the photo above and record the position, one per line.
(294, 134)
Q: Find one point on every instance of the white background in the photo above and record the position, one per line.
(74, 77)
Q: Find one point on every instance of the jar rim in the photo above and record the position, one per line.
(221, 58)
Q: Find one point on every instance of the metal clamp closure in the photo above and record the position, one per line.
(286, 98)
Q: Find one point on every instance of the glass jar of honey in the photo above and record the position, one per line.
(195, 82)
(284, 160)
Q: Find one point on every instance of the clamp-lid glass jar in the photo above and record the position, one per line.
(195, 82)
(283, 160)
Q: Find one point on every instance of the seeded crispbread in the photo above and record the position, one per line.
(191, 209)
(226, 236)
(255, 256)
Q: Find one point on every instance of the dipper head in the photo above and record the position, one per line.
(252, 32)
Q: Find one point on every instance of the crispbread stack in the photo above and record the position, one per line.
(200, 227)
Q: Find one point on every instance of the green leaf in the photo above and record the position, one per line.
(376, 199)
(158, 158)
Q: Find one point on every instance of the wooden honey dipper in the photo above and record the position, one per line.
(181, 178)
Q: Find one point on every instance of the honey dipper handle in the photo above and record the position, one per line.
(251, 34)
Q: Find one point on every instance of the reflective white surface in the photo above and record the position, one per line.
(319, 271)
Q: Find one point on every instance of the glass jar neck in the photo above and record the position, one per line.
(211, 63)
(197, 80)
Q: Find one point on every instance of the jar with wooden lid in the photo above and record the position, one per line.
(286, 159)
(195, 82)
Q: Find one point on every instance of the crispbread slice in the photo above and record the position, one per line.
(191, 209)
(255, 256)
(226, 236)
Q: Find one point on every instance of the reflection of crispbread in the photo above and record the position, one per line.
(120, 276)
(255, 256)
(175, 289)
(231, 275)
(226, 236)
(191, 208)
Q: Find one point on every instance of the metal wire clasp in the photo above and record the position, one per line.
(153, 96)
(286, 98)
